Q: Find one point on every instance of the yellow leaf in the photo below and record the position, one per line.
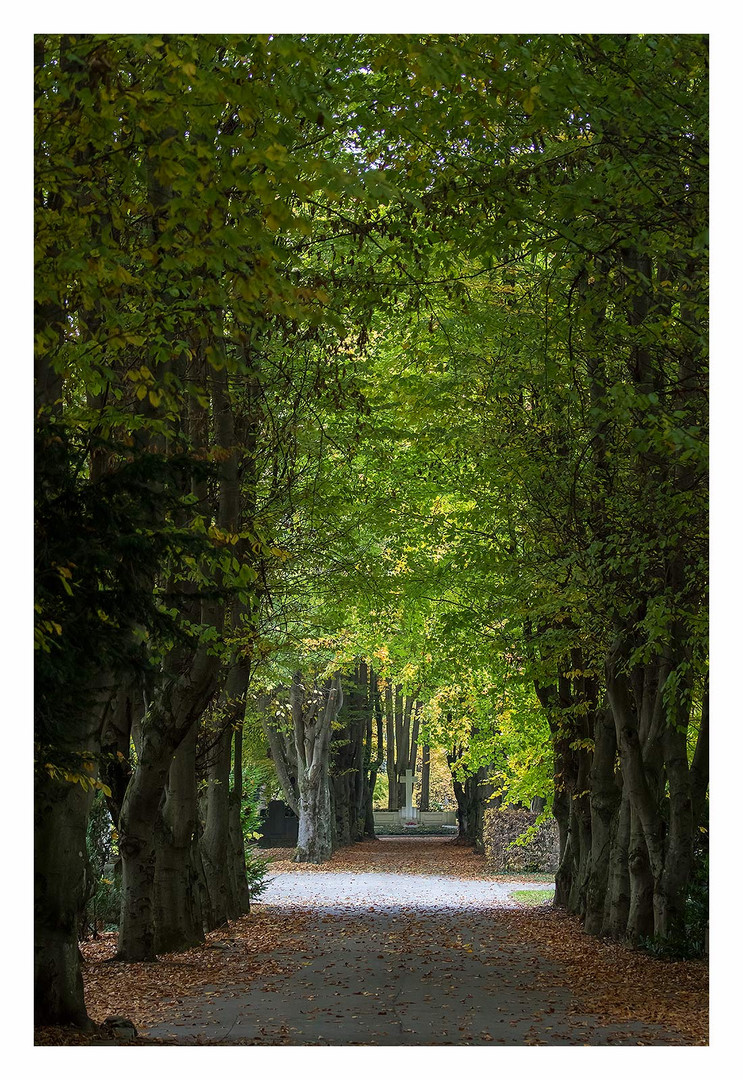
(122, 275)
(276, 152)
(530, 100)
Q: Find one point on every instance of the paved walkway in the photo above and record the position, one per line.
(397, 960)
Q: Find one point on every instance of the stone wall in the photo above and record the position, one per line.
(502, 827)
(422, 817)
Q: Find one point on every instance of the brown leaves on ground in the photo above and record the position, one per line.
(605, 978)
(258, 945)
(616, 982)
(405, 855)
(608, 981)
(62, 1036)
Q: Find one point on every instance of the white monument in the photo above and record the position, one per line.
(409, 812)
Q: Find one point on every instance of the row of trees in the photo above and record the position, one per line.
(380, 356)
(176, 361)
(577, 472)
(326, 757)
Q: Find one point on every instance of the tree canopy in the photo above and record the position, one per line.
(380, 359)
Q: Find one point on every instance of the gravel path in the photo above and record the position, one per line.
(426, 892)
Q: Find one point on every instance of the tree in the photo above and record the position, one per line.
(368, 352)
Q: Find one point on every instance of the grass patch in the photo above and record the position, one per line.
(532, 897)
(518, 877)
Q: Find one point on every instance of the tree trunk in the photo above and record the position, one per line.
(605, 798)
(351, 762)
(137, 849)
(312, 714)
(315, 834)
(646, 841)
(581, 829)
(179, 922)
(640, 916)
(670, 894)
(393, 791)
(60, 821)
(424, 798)
(616, 909)
(483, 792)
(176, 709)
(214, 844)
(414, 737)
(240, 888)
(61, 871)
(343, 762)
(361, 765)
(471, 794)
(374, 714)
(221, 845)
(561, 811)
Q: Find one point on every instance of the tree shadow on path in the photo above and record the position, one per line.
(413, 942)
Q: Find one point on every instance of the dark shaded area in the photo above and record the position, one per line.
(279, 825)
(401, 978)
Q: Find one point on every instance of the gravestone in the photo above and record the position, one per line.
(279, 825)
(409, 812)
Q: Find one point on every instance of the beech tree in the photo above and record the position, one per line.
(143, 299)
(381, 358)
(356, 754)
(299, 734)
(596, 433)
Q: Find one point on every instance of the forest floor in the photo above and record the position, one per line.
(396, 943)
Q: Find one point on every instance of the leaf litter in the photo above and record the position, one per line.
(594, 981)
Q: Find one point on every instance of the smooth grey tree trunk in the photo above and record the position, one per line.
(425, 796)
(617, 904)
(61, 871)
(176, 709)
(179, 919)
(60, 821)
(604, 798)
(313, 711)
(240, 889)
(215, 841)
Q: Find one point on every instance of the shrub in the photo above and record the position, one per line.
(691, 942)
(255, 778)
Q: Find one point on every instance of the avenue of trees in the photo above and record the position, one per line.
(370, 418)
